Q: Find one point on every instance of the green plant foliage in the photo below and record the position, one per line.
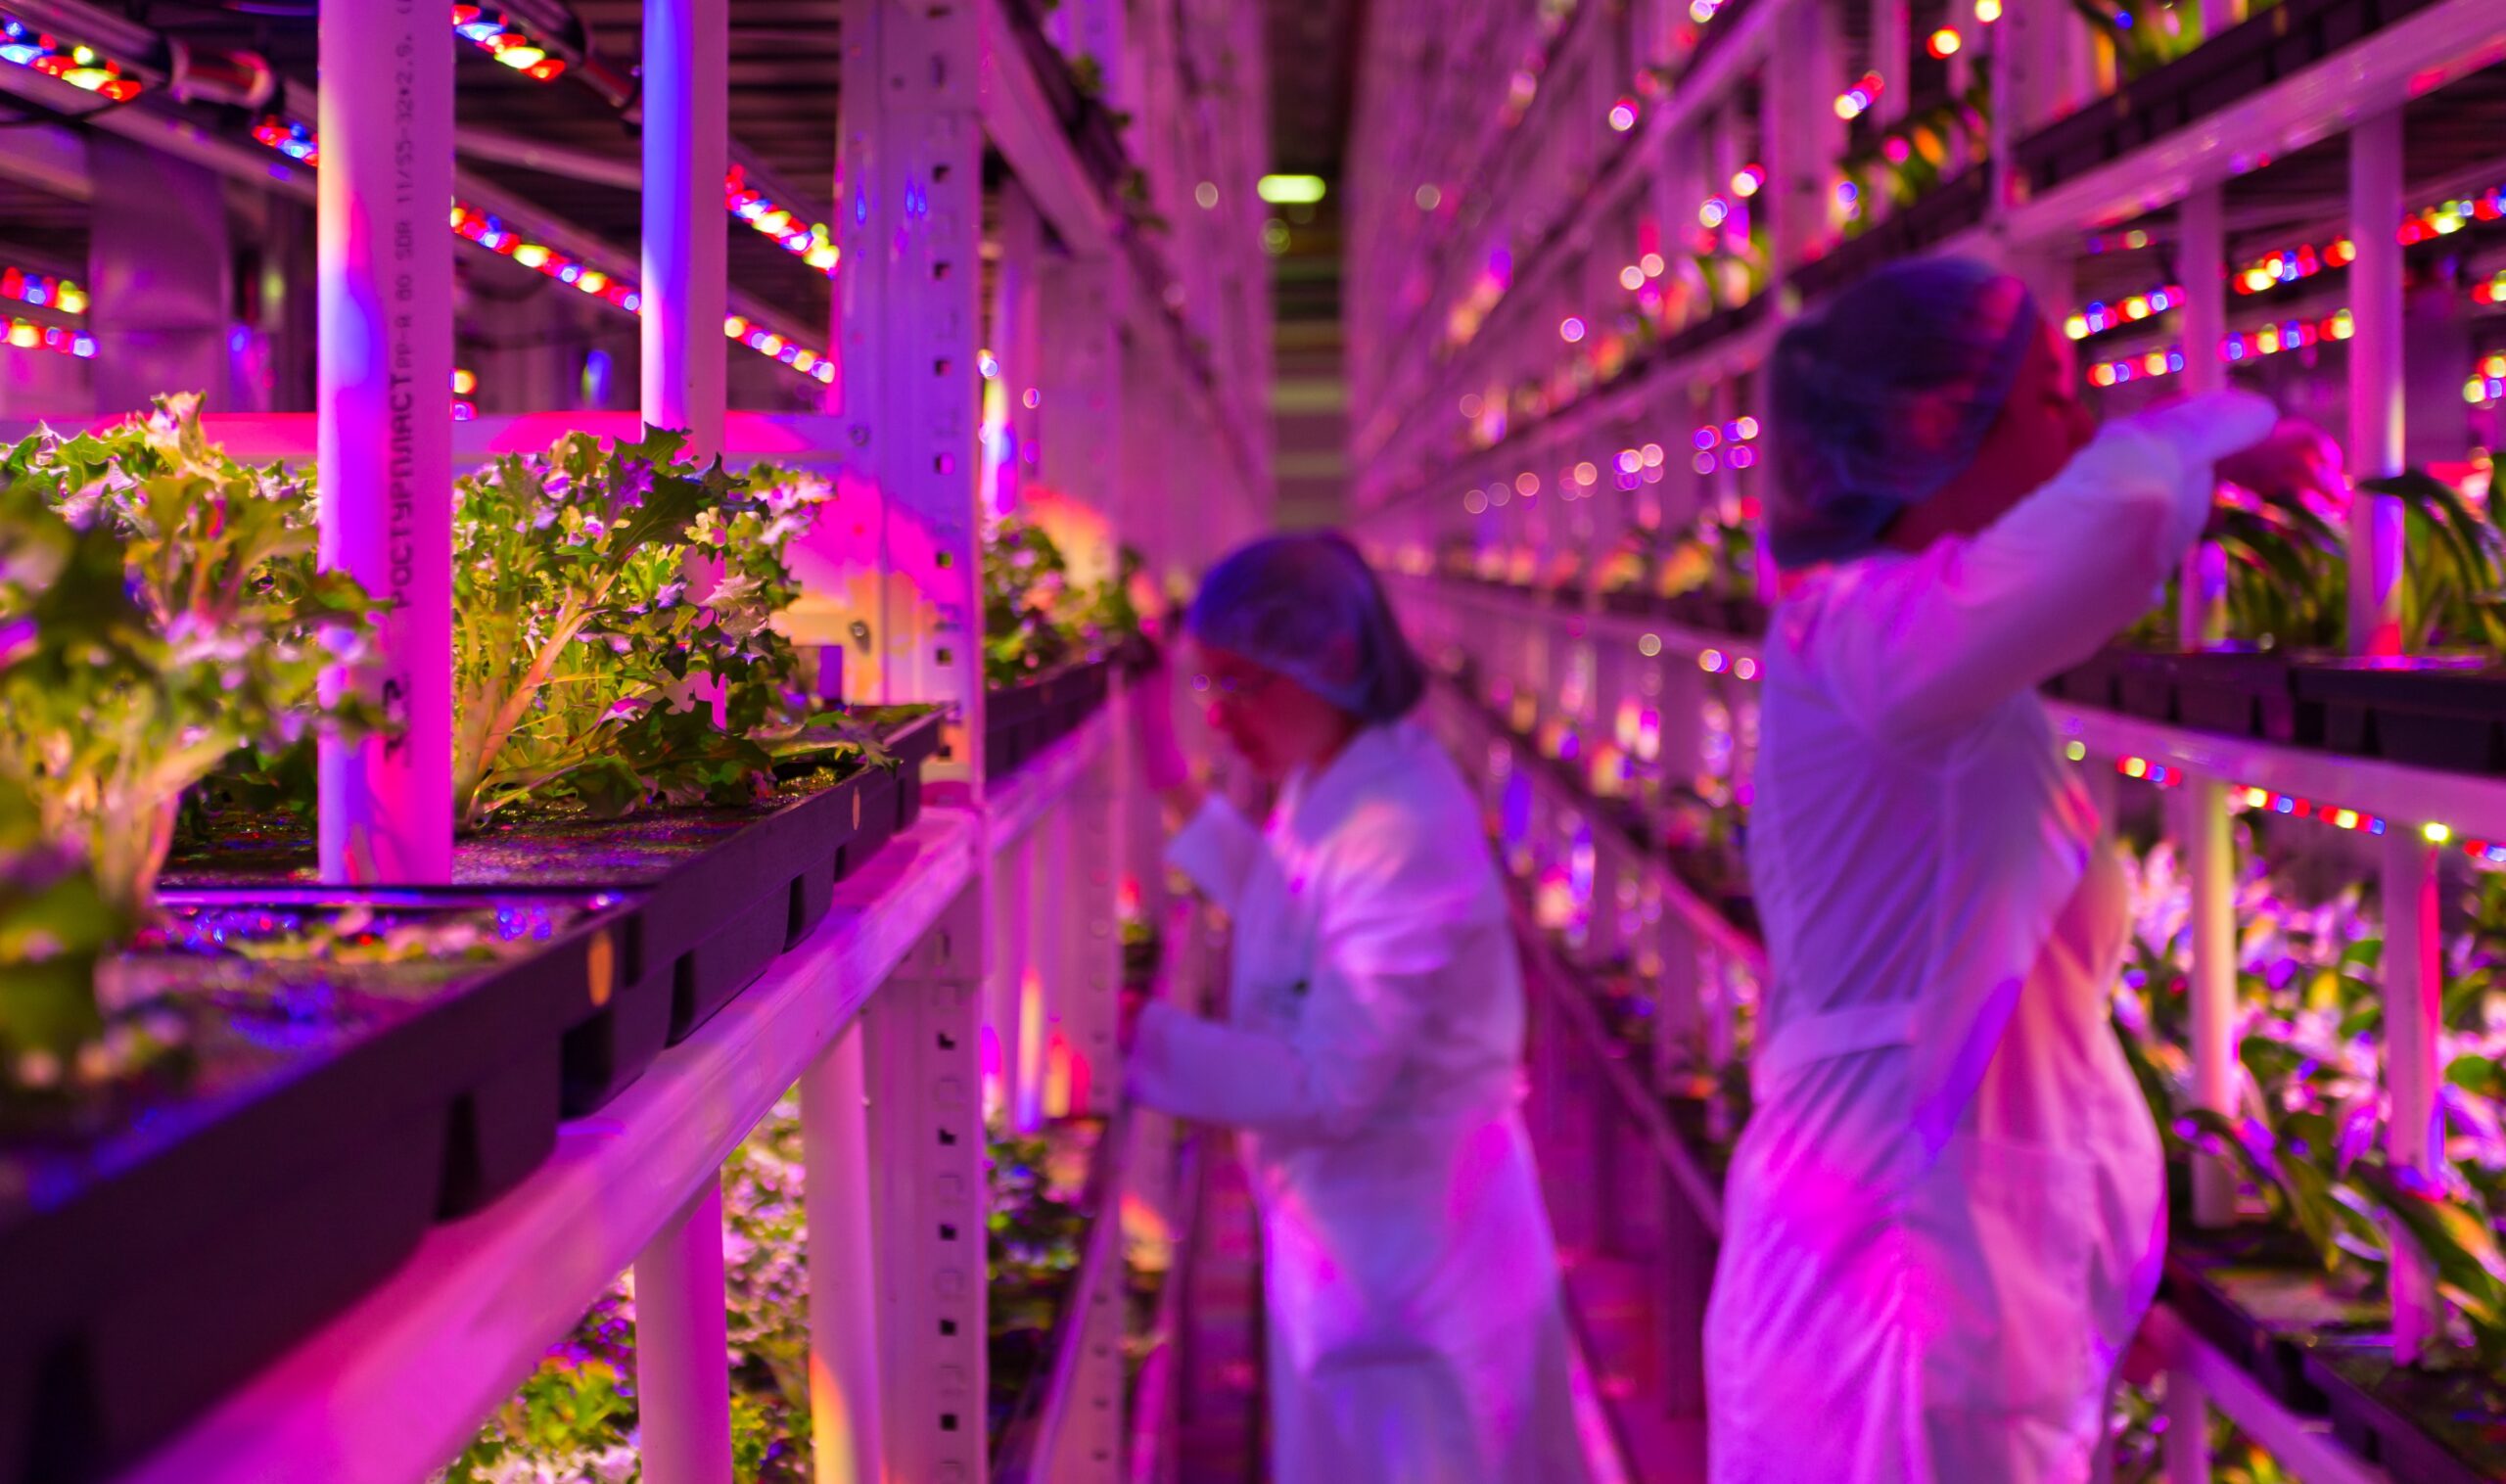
(611, 599)
(2287, 572)
(2454, 585)
(162, 609)
(1036, 617)
(2144, 36)
(1919, 152)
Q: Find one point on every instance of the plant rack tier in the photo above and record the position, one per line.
(396, 1384)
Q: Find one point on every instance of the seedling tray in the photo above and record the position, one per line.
(2232, 66)
(2425, 1427)
(2260, 1297)
(725, 892)
(2438, 713)
(1021, 720)
(2240, 693)
(160, 1245)
(2094, 681)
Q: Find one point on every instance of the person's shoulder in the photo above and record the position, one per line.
(1419, 818)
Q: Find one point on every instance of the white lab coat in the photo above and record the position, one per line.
(1945, 1216)
(1373, 1060)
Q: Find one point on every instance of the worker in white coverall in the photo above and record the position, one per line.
(1945, 1216)
(1373, 1056)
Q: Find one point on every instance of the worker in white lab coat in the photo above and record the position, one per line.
(1945, 1218)
(1373, 1057)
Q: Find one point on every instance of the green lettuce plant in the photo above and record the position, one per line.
(614, 640)
(160, 609)
(165, 610)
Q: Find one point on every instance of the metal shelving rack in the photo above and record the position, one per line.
(1706, 88)
(986, 936)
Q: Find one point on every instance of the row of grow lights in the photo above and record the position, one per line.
(488, 232)
(489, 29)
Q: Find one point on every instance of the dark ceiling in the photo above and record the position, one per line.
(1314, 53)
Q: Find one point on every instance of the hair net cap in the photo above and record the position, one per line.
(1885, 396)
(1309, 607)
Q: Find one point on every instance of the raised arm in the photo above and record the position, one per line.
(1944, 636)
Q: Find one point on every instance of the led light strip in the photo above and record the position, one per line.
(43, 290)
(2290, 806)
(488, 232)
(26, 335)
(298, 142)
(81, 67)
(2270, 340)
(2488, 384)
(812, 243)
(488, 29)
(2096, 318)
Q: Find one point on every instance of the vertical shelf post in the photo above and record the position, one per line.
(683, 1347)
(2414, 1006)
(927, 1134)
(846, 1421)
(2413, 973)
(682, 1368)
(384, 429)
(2376, 391)
(2203, 809)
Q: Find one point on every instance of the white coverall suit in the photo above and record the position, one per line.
(1373, 1059)
(1947, 1214)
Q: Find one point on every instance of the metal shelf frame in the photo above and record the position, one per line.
(968, 975)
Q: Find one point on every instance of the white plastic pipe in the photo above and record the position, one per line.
(2376, 391)
(2414, 1004)
(843, 1293)
(2210, 848)
(686, 97)
(382, 402)
(683, 1348)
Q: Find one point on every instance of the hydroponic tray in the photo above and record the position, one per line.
(1021, 720)
(2260, 1297)
(361, 1064)
(2423, 1427)
(725, 890)
(2237, 63)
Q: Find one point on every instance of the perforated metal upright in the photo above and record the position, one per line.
(926, 1125)
(910, 217)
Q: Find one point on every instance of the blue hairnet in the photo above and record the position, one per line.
(1309, 607)
(1885, 396)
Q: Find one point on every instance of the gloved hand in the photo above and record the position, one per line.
(2297, 458)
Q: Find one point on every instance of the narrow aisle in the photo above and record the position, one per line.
(1222, 1355)
(1607, 1200)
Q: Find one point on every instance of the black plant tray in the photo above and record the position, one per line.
(1021, 720)
(2260, 1297)
(2427, 1428)
(2429, 714)
(2240, 693)
(1741, 618)
(2239, 61)
(1635, 603)
(163, 1246)
(726, 891)
(2094, 681)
